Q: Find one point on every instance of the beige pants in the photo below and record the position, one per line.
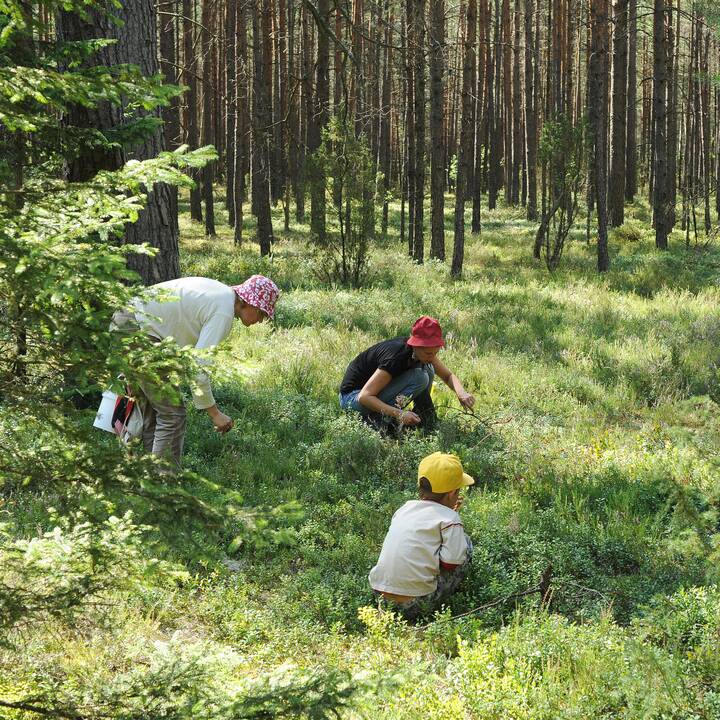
(164, 422)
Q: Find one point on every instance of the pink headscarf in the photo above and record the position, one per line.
(260, 292)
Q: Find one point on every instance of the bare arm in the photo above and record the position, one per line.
(222, 422)
(368, 398)
(452, 381)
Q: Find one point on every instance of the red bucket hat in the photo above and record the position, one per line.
(260, 292)
(426, 332)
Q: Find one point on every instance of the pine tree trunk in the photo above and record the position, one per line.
(466, 137)
(284, 73)
(262, 89)
(317, 120)
(385, 120)
(507, 104)
(419, 120)
(208, 174)
(437, 139)
(672, 125)
(136, 44)
(305, 112)
(494, 124)
(410, 135)
(705, 126)
(660, 199)
(231, 107)
(242, 142)
(597, 102)
(192, 135)
(631, 137)
(480, 113)
(357, 109)
(168, 65)
(517, 116)
(616, 199)
(293, 134)
(530, 112)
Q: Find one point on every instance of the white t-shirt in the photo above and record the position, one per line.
(201, 317)
(421, 534)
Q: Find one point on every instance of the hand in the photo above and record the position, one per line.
(409, 418)
(466, 400)
(458, 505)
(221, 421)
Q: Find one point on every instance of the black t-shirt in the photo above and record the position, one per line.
(394, 356)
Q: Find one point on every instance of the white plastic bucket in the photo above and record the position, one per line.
(103, 418)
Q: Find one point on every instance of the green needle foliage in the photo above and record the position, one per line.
(345, 158)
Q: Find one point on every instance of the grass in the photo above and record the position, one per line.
(597, 423)
(595, 447)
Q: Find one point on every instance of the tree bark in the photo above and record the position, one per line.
(466, 137)
(480, 113)
(616, 198)
(242, 129)
(530, 112)
(262, 89)
(410, 134)
(168, 65)
(672, 126)
(419, 120)
(660, 198)
(208, 174)
(631, 128)
(191, 98)
(517, 114)
(231, 106)
(317, 121)
(437, 138)
(493, 111)
(385, 120)
(136, 44)
(597, 96)
(507, 104)
(306, 113)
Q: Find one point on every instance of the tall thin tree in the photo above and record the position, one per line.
(631, 112)
(262, 89)
(616, 195)
(466, 137)
(436, 42)
(597, 105)
(208, 175)
(192, 135)
(660, 197)
(530, 111)
(318, 119)
(419, 121)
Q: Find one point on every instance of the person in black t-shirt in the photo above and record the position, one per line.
(381, 381)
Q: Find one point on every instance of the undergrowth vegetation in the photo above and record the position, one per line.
(595, 444)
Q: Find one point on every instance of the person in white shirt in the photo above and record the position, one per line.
(426, 552)
(197, 312)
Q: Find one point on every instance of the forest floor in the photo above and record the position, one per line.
(595, 447)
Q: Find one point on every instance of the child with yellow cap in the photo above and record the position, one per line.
(426, 552)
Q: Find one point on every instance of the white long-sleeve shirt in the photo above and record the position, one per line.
(194, 311)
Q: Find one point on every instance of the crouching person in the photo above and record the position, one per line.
(426, 552)
(382, 380)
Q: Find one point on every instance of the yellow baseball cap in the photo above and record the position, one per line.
(444, 472)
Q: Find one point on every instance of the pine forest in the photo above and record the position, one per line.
(359, 359)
